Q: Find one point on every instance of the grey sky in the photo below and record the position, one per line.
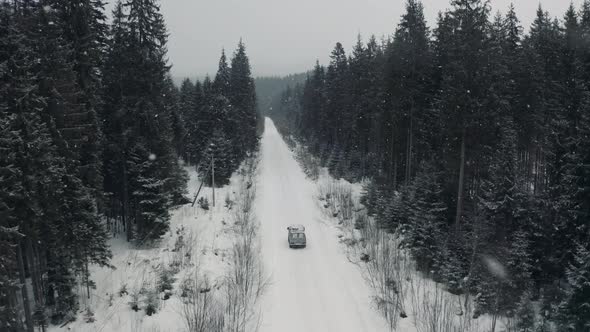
(287, 36)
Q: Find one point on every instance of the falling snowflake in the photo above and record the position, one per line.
(152, 156)
(495, 267)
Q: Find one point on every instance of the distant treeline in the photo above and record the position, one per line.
(269, 89)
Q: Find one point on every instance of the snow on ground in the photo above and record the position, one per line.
(311, 289)
(427, 305)
(207, 239)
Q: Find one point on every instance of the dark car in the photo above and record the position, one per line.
(296, 236)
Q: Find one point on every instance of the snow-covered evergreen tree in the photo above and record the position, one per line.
(575, 308)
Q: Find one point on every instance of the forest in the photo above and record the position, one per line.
(269, 89)
(95, 140)
(474, 136)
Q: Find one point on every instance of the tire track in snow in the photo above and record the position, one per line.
(312, 289)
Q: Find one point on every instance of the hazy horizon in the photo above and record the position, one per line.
(286, 37)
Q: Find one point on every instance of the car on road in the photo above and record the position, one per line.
(296, 236)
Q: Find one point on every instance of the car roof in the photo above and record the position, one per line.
(296, 228)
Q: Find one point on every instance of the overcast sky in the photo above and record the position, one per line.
(287, 36)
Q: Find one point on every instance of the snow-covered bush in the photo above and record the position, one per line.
(201, 309)
(338, 200)
(311, 165)
(360, 221)
(228, 202)
(203, 203)
(89, 315)
(165, 280)
(134, 302)
(245, 281)
(152, 302)
(123, 290)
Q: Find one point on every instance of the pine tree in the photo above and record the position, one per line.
(337, 97)
(139, 117)
(422, 233)
(82, 25)
(151, 206)
(219, 150)
(222, 83)
(190, 110)
(409, 67)
(9, 235)
(575, 309)
(313, 114)
(175, 113)
(243, 102)
(525, 313)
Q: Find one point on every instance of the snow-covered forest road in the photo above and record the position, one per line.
(311, 289)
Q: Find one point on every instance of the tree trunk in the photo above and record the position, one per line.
(393, 159)
(395, 172)
(125, 202)
(33, 269)
(24, 291)
(410, 147)
(461, 183)
(87, 277)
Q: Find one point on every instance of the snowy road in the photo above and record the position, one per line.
(312, 289)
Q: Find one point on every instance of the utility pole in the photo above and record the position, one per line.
(213, 172)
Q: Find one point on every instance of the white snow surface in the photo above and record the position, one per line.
(315, 288)
(209, 235)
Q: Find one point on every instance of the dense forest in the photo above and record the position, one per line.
(269, 89)
(92, 130)
(476, 139)
(220, 117)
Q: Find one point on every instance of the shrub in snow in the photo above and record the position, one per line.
(134, 303)
(152, 302)
(89, 316)
(202, 311)
(525, 313)
(203, 203)
(39, 316)
(361, 221)
(179, 243)
(175, 266)
(228, 202)
(123, 290)
(165, 281)
(186, 288)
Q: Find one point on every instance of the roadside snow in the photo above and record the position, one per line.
(409, 301)
(198, 240)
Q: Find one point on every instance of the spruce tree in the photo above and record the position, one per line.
(243, 102)
(422, 233)
(222, 83)
(140, 114)
(337, 96)
(9, 235)
(575, 308)
(409, 66)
